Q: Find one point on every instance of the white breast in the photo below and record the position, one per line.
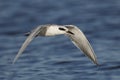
(54, 30)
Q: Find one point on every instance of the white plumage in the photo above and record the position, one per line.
(74, 33)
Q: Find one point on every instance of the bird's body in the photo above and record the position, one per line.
(54, 30)
(74, 33)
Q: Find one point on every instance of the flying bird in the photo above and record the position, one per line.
(73, 32)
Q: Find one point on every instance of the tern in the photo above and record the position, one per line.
(73, 32)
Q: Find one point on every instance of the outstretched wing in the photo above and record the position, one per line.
(33, 34)
(81, 42)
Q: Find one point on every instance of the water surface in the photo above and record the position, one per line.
(56, 58)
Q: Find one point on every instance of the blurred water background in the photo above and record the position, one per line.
(56, 58)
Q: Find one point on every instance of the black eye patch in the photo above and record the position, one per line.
(62, 29)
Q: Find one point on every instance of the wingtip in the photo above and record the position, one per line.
(14, 61)
(96, 62)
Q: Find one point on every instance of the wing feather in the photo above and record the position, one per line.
(81, 42)
(26, 43)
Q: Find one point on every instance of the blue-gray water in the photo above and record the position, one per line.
(56, 58)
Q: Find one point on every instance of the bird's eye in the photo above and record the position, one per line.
(62, 29)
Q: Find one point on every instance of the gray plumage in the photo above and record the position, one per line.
(74, 33)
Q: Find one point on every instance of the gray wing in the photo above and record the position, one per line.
(81, 42)
(27, 41)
